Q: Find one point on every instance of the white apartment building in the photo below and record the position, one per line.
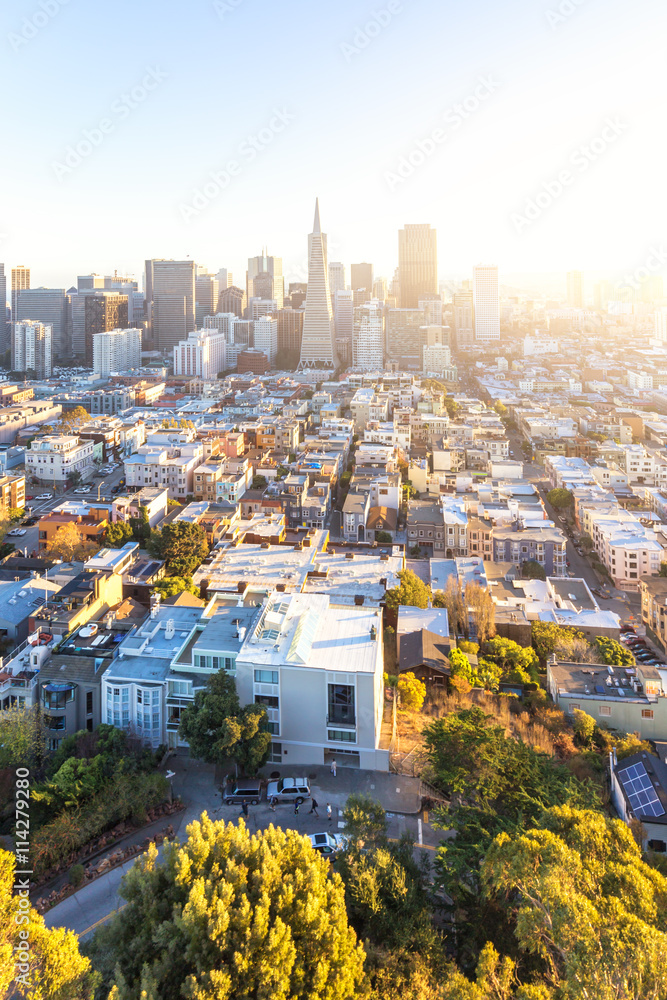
(628, 549)
(535, 345)
(319, 670)
(368, 339)
(116, 351)
(171, 467)
(266, 337)
(203, 354)
(437, 360)
(639, 380)
(32, 348)
(56, 457)
(487, 305)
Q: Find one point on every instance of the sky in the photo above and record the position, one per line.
(530, 133)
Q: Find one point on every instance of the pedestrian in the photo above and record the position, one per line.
(244, 808)
(313, 806)
(296, 807)
(329, 811)
(333, 768)
(274, 803)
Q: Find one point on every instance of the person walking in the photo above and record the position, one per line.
(313, 806)
(244, 808)
(296, 808)
(329, 811)
(333, 768)
(274, 803)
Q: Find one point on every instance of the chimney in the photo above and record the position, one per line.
(170, 630)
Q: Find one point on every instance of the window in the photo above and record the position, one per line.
(342, 735)
(572, 707)
(54, 722)
(89, 702)
(266, 699)
(647, 713)
(276, 753)
(605, 710)
(341, 704)
(266, 677)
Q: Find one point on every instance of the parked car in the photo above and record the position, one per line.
(243, 789)
(288, 790)
(328, 844)
(30, 498)
(16, 532)
(42, 496)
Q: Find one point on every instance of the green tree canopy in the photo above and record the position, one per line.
(217, 728)
(519, 663)
(612, 652)
(365, 820)
(411, 692)
(411, 592)
(181, 545)
(171, 586)
(227, 916)
(117, 535)
(532, 570)
(550, 638)
(560, 498)
(22, 737)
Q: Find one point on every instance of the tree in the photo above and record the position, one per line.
(230, 916)
(560, 499)
(181, 545)
(481, 610)
(282, 471)
(37, 963)
(117, 535)
(70, 545)
(584, 904)
(550, 638)
(258, 483)
(75, 478)
(584, 728)
(532, 570)
(453, 600)
(365, 821)
(22, 740)
(411, 692)
(217, 728)
(383, 538)
(510, 656)
(172, 586)
(613, 653)
(410, 592)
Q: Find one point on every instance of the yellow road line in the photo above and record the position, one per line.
(102, 920)
(426, 847)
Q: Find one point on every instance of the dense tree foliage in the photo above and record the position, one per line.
(69, 545)
(612, 652)
(172, 586)
(228, 916)
(217, 728)
(181, 545)
(410, 592)
(411, 692)
(532, 570)
(560, 498)
(22, 737)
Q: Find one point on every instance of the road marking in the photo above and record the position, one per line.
(102, 920)
(420, 838)
(425, 847)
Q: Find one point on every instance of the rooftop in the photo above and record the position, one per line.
(344, 575)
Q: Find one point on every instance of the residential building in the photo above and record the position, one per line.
(116, 350)
(53, 458)
(546, 546)
(654, 608)
(417, 265)
(355, 515)
(111, 401)
(265, 337)
(368, 339)
(426, 527)
(19, 600)
(5, 326)
(32, 346)
(158, 464)
(203, 354)
(91, 526)
(317, 345)
(638, 786)
(486, 303)
(12, 492)
(20, 283)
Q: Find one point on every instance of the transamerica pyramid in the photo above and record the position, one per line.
(318, 345)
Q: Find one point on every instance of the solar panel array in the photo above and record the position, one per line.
(640, 791)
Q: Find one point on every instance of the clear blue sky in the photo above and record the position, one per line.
(355, 114)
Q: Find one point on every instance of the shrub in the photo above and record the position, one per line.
(76, 874)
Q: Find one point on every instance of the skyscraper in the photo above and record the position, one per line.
(290, 331)
(232, 300)
(486, 302)
(204, 353)
(361, 276)
(406, 339)
(207, 290)
(104, 311)
(20, 281)
(344, 324)
(4, 326)
(417, 264)
(317, 345)
(575, 289)
(369, 337)
(336, 278)
(464, 322)
(116, 351)
(47, 306)
(31, 348)
(380, 289)
(170, 296)
(225, 278)
(265, 275)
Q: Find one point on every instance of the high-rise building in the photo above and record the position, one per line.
(90, 282)
(104, 311)
(261, 307)
(265, 337)
(417, 265)
(361, 277)
(170, 294)
(661, 326)
(221, 322)
(207, 292)
(380, 289)
(20, 282)
(265, 278)
(48, 306)
(432, 307)
(290, 331)
(405, 339)
(297, 293)
(368, 343)
(344, 324)
(317, 346)
(31, 348)
(5, 340)
(464, 319)
(336, 278)
(487, 304)
(575, 289)
(232, 299)
(116, 351)
(203, 354)
(225, 278)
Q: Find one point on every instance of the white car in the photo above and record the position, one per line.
(328, 844)
(83, 489)
(43, 496)
(16, 531)
(288, 790)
